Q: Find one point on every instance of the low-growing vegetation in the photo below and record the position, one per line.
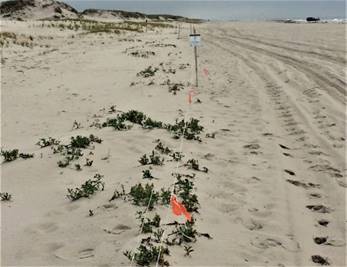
(190, 130)
(194, 165)
(153, 159)
(71, 151)
(87, 189)
(148, 72)
(5, 196)
(45, 142)
(13, 154)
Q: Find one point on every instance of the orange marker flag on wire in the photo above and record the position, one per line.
(191, 93)
(178, 208)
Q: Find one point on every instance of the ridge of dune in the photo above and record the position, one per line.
(52, 9)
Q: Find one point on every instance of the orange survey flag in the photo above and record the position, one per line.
(178, 208)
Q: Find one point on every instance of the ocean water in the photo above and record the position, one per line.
(227, 9)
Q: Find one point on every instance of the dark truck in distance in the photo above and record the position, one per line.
(312, 19)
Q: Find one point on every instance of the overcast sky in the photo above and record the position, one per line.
(224, 9)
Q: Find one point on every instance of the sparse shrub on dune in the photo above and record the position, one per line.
(147, 224)
(176, 156)
(189, 129)
(148, 72)
(140, 195)
(184, 189)
(9, 155)
(117, 123)
(151, 124)
(142, 54)
(153, 159)
(43, 142)
(5, 196)
(188, 250)
(146, 174)
(147, 254)
(162, 149)
(88, 162)
(73, 151)
(194, 165)
(79, 142)
(175, 87)
(87, 189)
(144, 195)
(26, 155)
(144, 160)
(165, 195)
(76, 125)
(13, 154)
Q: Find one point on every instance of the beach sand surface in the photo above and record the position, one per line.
(271, 94)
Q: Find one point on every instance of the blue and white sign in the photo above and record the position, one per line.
(195, 39)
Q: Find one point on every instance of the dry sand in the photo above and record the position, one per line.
(274, 96)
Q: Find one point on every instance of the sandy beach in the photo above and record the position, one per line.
(271, 100)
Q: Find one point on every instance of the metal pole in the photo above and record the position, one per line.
(179, 31)
(196, 62)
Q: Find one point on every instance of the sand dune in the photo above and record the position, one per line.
(272, 95)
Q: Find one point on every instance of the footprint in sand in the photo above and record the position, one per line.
(249, 223)
(264, 242)
(319, 208)
(283, 146)
(320, 260)
(328, 241)
(48, 227)
(323, 222)
(302, 184)
(290, 172)
(86, 253)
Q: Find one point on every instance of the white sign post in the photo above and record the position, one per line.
(195, 40)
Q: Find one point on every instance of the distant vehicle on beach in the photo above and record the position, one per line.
(312, 19)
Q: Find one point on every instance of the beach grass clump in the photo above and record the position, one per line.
(147, 224)
(184, 190)
(175, 87)
(13, 154)
(118, 194)
(187, 233)
(87, 189)
(117, 123)
(149, 123)
(152, 159)
(5, 196)
(165, 196)
(79, 142)
(45, 142)
(73, 150)
(147, 254)
(146, 174)
(148, 72)
(132, 116)
(162, 149)
(194, 165)
(9, 155)
(144, 195)
(188, 250)
(26, 155)
(188, 129)
(176, 156)
(142, 54)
